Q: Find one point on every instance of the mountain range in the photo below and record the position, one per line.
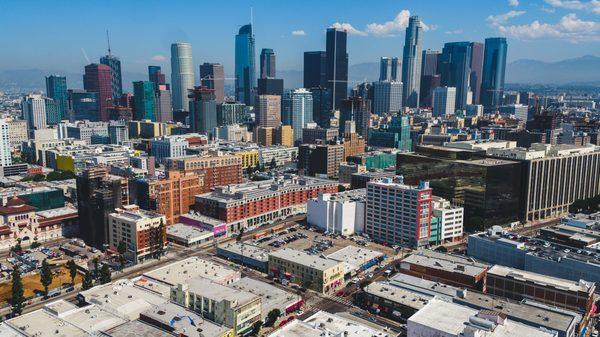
(580, 70)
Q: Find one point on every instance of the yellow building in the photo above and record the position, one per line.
(264, 136)
(284, 135)
(249, 158)
(65, 163)
(309, 271)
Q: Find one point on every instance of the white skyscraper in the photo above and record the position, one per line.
(182, 74)
(34, 112)
(387, 97)
(444, 99)
(302, 110)
(5, 159)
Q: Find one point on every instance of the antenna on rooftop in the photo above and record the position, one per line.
(108, 41)
(252, 16)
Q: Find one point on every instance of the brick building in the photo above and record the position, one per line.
(218, 169)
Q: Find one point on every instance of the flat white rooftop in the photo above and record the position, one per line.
(41, 323)
(217, 292)
(272, 297)
(304, 259)
(558, 283)
(354, 256)
(190, 268)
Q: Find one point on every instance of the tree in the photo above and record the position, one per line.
(45, 276)
(17, 247)
(122, 249)
(105, 275)
(256, 328)
(273, 164)
(238, 238)
(72, 270)
(39, 177)
(88, 281)
(272, 317)
(96, 266)
(17, 299)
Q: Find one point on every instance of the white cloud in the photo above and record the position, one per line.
(385, 29)
(159, 58)
(454, 32)
(348, 28)
(299, 32)
(569, 28)
(513, 3)
(499, 19)
(591, 6)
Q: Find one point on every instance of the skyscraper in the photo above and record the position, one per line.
(162, 102)
(144, 103)
(494, 65)
(315, 69)
(203, 115)
(116, 81)
(56, 88)
(456, 70)
(5, 148)
(430, 62)
(411, 63)
(269, 111)
(321, 112)
(83, 105)
(156, 75)
(182, 74)
(212, 76)
(245, 69)
(267, 63)
(387, 97)
(476, 70)
(301, 104)
(357, 109)
(337, 65)
(443, 101)
(388, 69)
(97, 79)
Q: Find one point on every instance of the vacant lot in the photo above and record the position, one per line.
(31, 283)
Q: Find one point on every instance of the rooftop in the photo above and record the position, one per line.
(190, 268)
(543, 280)
(187, 232)
(272, 297)
(302, 258)
(183, 322)
(354, 257)
(397, 295)
(92, 318)
(446, 262)
(135, 329)
(250, 251)
(41, 323)
(217, 292)
(351, 195)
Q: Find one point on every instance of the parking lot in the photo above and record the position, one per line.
(316, 243)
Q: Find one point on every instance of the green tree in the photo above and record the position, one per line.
(105, 276)
(96, 267)
(238, 238)
(46, 276)
(72, 270)
(39, 177)
(88, 281)
(35, 244)
(272, 317)
(17, 247)
(273, 164)
(18, 297)
(256, 328)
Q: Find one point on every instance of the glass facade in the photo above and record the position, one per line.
(144, 104)
(494, 66)
(83, 105)
(488, 189)
(245, 65)
(455, 68)
(116, 80)
(56, 88)
(395, 135)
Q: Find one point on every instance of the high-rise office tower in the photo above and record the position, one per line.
(411, 63)
(97, 79)
(443, 101)
(267, 63)
(387, 97)
(357, 109)
(212, 76)
(56, 88)
(144, 103)
(337, 65)
(156, 75)
(162, 102)
(315, 69)
(203, 115)
(455, 68)
(428, 85)
(270, 86)
(83, 105)
(494, 65)
(182, 74)
(388, 69)
(269, 111)
(430, 78)
(33, 108)
(301, 103)
(321, 112)
(116, 81)
(245, 69)
(5, 148)
(430, 62)
(476, 70)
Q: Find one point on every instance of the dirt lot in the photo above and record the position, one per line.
(32, 283)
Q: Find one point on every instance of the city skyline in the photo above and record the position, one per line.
(530, 27)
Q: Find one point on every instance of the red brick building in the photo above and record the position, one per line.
(217, 169)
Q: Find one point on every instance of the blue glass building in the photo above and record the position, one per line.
(245, 62)
(494, 66)
(395, 135)
(455, 67)
(56, 88)
(83, 105)
(144, 103)
(116, 81)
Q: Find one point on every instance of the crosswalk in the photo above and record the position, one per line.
(340, 300)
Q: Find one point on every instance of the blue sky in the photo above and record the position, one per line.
(49, 34)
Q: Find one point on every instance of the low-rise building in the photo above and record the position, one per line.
(231, 307)
(450, 220)
(347, 169)
(142, 232)
(342, 213)
(187, 235)
(182, 322)
(356, 259)
(310, 271)
(325, 324)
(181, 272)
(245, 254)
(271, 296)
